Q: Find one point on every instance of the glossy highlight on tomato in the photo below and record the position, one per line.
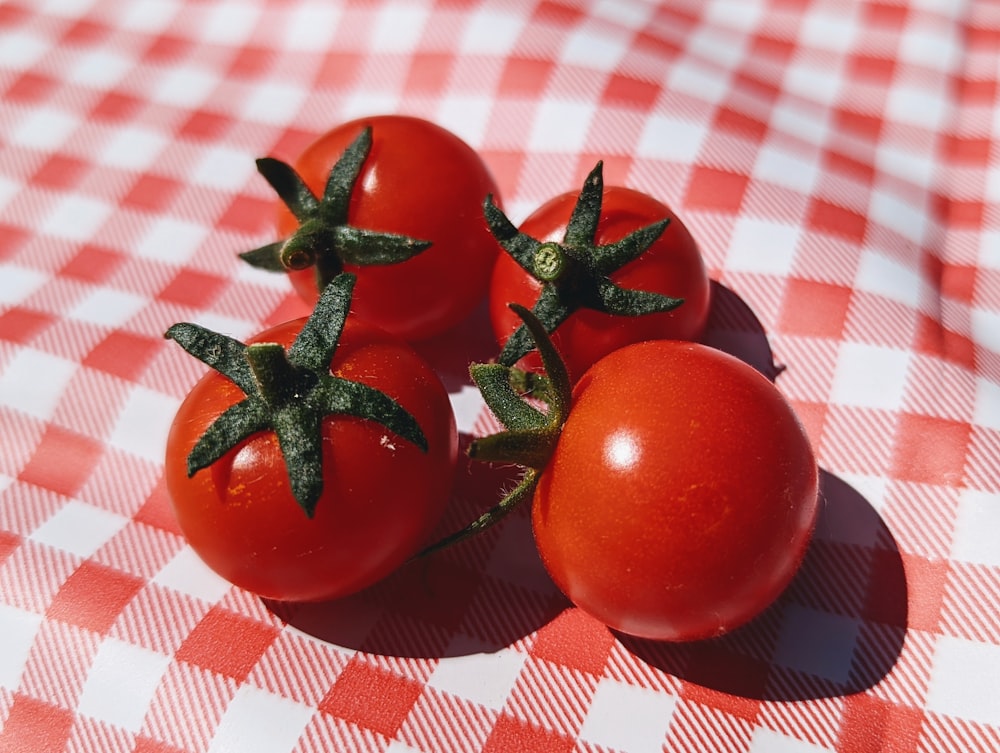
(382, 495)
(422, 181)
(672, 266)
(681, 495)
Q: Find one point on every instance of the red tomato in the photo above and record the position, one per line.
(681, 495)
(418, 180)
(671, 266)
(382, 495)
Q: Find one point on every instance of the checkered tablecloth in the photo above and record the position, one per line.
(838, 162)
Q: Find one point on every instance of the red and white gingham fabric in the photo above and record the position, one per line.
(838, 162)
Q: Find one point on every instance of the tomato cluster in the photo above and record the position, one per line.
(673, 491)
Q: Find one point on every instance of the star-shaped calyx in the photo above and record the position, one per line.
(290, 393)
(324, 239)
(576, 272)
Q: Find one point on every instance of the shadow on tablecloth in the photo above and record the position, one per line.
(838, 629)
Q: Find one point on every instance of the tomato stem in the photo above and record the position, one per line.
(530, 435)
(290, 393)
(576, 273)
(325, 239)
(524, 490)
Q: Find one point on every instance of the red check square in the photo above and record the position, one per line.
(740, 123)
(62, 461)
(930, 450)
(93, 597)
(429, 74)
(193, 288)
(116, 107)
(888, 16)
(575, 640)
(12, 240)
(157, 510)
(832, 219)
(61, 172)
(716, 190)
(814, 309)
(873, 69)
(512, 735)
(205, 126)
(8, 543)
(19, 325)
(34, 726)
(123, 354)
(93, 264)
(631, 91)
(148, 745)
(339, 70)
(934, 338)
(249, 214)
(926, 584)
(227, 643)
(371, 697)
(871, 725)
(525, 77)
(153, 193)
(31, 89)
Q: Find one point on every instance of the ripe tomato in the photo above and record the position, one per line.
(381, 494)
(422, 181)
(671, 266)
(681, 494)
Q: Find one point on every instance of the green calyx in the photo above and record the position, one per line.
(529, 436)
(324, 239)
(290, 393)
(576, 273)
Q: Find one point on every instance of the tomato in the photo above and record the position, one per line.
(418, 180)
(672, 266)
(381, 494)
(681, 495)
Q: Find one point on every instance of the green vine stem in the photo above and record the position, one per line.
(529, 436)
(324, 239)
(576, 273)
(290, 393)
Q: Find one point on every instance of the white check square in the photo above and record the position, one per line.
(79, 528)
(762, 247)
(121, 684)
(628, 717)
(260, 722)
(870, 376)
(143, 423)
(107, 307)
(21, 389)
(560, 126)
(976, 526)
(881, 275)
(76, 218)
(482, 678)
(669, 138)
(965, 680)
(768, 741)
(18, 628)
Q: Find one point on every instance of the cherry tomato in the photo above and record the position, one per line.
(672, 266)
(422, 181)
(381, 494)
(681, 495)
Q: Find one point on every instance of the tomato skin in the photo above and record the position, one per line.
(422, 181)
(672, 266)
(382, 495)
(681, 496)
